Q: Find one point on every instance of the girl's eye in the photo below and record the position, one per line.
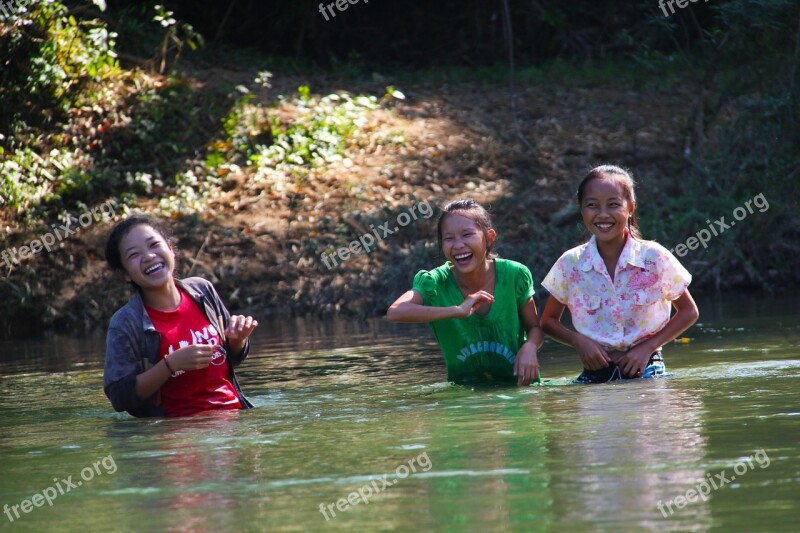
(133, 256)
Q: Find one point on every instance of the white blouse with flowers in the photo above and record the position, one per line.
(620, 313)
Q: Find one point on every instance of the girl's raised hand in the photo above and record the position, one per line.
(192, 357)
(593, 356)
(472, 302)
(240, 327)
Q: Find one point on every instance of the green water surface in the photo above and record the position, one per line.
(343, 404)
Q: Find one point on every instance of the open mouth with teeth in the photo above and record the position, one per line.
(604, 226)
(154, 269)
(463, 258)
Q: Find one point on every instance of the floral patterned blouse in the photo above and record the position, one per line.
(620, 313)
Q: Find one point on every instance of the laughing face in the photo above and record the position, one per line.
(147, 258)
(464, 243)
(606, 210)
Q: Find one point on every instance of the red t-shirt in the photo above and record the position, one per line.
(193, 391)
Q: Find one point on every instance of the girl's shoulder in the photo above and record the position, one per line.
(438, 275)
(509, 265)
(198, 287)
(128, 315)
(197, 283)
(432, 284)
(576, 254)
(130, 319)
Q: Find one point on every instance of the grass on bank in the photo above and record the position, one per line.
(82, 129)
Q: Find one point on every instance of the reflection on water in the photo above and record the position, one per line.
(633, 445)
(343, 403)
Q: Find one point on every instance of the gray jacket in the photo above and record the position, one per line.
(132, 346)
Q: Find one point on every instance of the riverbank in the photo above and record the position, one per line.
(262, 225)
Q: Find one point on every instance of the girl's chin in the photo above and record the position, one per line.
(608, 236)
(157, 282)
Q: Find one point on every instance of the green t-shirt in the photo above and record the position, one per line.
(479, 348)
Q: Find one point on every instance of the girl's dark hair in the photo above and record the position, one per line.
(113, 255)
(624, 178)
(473, 210)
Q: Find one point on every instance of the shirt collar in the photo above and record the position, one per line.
(631, 255)
(138, 303)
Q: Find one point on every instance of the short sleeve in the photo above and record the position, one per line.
(556, 281)
(674, 277)
(425, 285)
(523, 285)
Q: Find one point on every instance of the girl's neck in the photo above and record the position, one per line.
(611, 250)
(477, 279)
(164, 298)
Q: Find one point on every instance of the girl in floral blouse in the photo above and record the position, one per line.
(618, 287)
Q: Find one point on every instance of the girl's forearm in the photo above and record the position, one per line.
(409, 312)
(236, 346)
(536, 336)
(559, 331)
(680, 322)
(152, 379)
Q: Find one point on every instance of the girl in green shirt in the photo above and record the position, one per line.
(480, 307)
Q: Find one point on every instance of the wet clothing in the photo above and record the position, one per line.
(479, 348)
(655, 368)
(204, 389)
(621, 313)
(132, 347)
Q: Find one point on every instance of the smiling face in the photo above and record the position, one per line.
(147, 258)
(464, 243)
(606, 210)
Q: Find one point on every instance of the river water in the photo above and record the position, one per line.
(361, 412)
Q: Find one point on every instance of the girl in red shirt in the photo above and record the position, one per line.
(172, 348)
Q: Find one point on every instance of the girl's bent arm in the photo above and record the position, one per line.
(192, 357)
(592, 354)
(152, 379)
(686, 314)
(530, 321)
(551, 322)
(410, 308)
(526, 363)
